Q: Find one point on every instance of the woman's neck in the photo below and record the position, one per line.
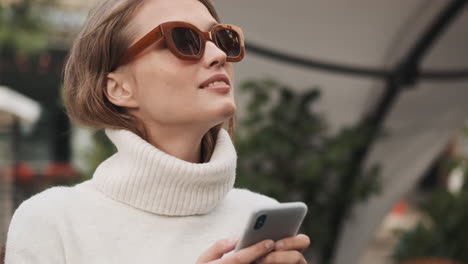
(184, 144)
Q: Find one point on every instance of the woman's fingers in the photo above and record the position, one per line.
(287, 251)
(283, 257)
(217, 250)
(250, 254)
(299, 242)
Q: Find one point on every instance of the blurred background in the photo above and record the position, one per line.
(357, 108)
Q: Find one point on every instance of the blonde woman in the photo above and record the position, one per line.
(158, 76)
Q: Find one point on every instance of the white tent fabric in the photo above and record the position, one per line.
(367, 33)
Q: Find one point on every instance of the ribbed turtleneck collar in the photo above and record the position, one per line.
(147, 178)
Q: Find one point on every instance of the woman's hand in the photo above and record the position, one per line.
(248, 255)
(287, 251)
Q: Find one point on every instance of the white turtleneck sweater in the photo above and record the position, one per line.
(141, 206)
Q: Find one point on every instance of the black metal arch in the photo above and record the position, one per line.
(335, 68)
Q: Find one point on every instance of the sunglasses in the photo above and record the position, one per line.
(187, 42)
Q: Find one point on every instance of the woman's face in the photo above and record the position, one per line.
(167, 89)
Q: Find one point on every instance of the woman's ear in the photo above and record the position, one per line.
(120, 92)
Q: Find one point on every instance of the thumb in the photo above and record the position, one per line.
(217, 250)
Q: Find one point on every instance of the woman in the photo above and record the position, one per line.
(162, 89)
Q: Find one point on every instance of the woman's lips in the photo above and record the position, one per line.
(216, 79)
(218, 83)
(221, 88)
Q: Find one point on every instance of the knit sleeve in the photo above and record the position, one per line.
(33, 237)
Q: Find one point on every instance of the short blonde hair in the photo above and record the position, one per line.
(94, 54)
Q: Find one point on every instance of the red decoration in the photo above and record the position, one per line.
(60, 170)
(22, 171)
(400, 207)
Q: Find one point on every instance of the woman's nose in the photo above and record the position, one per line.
(213, 56)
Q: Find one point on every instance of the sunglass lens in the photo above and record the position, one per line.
(229, 41)
(186, 40)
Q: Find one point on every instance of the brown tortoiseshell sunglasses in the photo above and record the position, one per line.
(187, 42)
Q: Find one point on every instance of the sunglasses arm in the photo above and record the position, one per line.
(150, 38)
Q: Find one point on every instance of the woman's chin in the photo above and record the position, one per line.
(228, 110)
(222, 114)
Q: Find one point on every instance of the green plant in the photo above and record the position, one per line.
(103, 149)
(286, 152)
(445, 235)
(21, 28)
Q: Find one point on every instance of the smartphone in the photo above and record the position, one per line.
(273, 222)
